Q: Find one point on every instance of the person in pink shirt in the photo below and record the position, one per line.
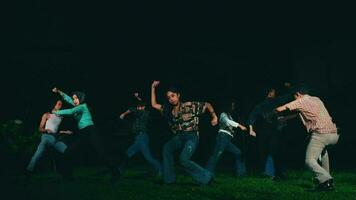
(319, 124)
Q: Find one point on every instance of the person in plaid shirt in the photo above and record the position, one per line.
(140, 130)
(183, 119)
(323, 131)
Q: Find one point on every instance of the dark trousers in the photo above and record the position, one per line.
(86, 140)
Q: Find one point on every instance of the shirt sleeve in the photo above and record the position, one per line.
(294, 105)
(67, 98)
(225, 120)
(71, 111)
(132, 109)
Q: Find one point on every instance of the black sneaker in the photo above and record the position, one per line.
(115, 176)
(325, 186)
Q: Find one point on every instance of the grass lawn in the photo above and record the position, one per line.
(136, 184)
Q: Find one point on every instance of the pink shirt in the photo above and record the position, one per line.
(314, 115)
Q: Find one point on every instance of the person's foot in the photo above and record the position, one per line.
(115, 176)
(315, 181)
(266, 176)
(324, 187)
(280, 177)
(28, 174)
(68, 177)
(210, 182)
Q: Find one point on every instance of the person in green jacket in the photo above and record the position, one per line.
(87, 135)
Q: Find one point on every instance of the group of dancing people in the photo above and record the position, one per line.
(183, 120)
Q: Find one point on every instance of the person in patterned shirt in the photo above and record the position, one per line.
(323, 131)
(140, 129)
(183, 119)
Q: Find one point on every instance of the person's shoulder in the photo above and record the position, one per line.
(46, 115)
(223, 115)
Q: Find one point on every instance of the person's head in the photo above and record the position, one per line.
(78, 98)
(229, 106)
(270, 92)
(57, 105)
(300, 91)
(173, 96)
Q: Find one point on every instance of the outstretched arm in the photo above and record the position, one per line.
(122, 116)
(64, 95)
(224, 119)
(153, 96)
(67, 132)
(137, 96)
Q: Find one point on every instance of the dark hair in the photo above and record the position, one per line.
(267, 90)
(301, 88)
(80, 95)
(140, 103)
(167, 107)
(226, 105)
(52, 103)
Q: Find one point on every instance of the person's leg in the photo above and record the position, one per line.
(316, 145)
(60, 146)
(240, 164)
(325, 160)
(145, 149)
(101, 149)
(275, 151)
(198, 173)
(131, 151)
(72, 152)
(134, 148)
(45, 140)
(219, 148)
(269, 164)
(168, 160)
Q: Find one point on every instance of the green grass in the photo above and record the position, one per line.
(137, 185)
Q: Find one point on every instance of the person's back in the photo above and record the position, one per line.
(315, 116)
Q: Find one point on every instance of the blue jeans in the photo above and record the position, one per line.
(142, 144)
(269, 166)
(188, 141)
(46, 140)
(223, 142)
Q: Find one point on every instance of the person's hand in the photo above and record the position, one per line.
(55, 90)
(243, 127)
(214, 121)
(252, 133)
(68, 132)
(122, 116)
(136, 94)
(155, 84)
(282, 119)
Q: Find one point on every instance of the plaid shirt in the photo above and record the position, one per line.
(314, 115)
(187, 117)
(141, 120)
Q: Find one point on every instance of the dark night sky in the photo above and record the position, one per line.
(209, 50)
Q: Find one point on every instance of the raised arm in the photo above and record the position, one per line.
(122, 116)
(66, 98)
(153, 96)
(137, 96)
